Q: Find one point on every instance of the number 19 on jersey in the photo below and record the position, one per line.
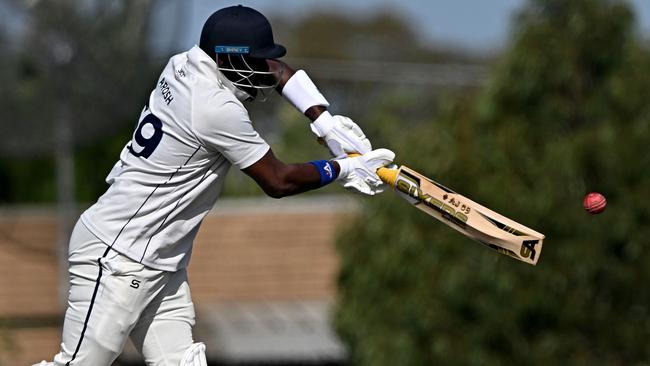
(147, 136)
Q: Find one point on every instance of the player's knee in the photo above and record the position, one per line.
(194, 356)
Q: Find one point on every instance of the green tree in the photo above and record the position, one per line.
(86, 62)
(565, 113)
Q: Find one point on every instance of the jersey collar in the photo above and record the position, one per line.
(207, 67)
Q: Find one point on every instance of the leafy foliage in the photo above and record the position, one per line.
(564, 114)
(83, 62)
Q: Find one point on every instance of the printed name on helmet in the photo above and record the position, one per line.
(165, 91)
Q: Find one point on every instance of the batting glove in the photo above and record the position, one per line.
(359, 173)
(341, 135)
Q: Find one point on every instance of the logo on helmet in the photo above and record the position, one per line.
(232, 49)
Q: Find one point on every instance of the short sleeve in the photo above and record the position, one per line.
(226, 127)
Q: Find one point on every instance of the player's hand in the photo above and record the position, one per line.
(359, 173)
(341, 135)
(346, 138)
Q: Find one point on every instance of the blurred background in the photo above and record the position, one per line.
(522, 105)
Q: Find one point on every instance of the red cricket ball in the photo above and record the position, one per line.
(594, 203)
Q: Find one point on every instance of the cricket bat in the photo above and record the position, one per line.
(468, 217)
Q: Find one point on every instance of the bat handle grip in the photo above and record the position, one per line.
(387, 174)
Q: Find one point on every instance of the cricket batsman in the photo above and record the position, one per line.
(128, 252)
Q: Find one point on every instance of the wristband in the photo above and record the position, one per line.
(302, 93)
(326, 171)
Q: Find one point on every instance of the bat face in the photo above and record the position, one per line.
(466, 216)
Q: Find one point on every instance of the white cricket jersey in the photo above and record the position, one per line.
(171, 172)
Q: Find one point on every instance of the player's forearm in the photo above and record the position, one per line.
(311, 103)
(298, 178)
(282, 72)
(278, 179)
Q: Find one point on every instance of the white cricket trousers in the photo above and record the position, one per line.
(113, 297)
